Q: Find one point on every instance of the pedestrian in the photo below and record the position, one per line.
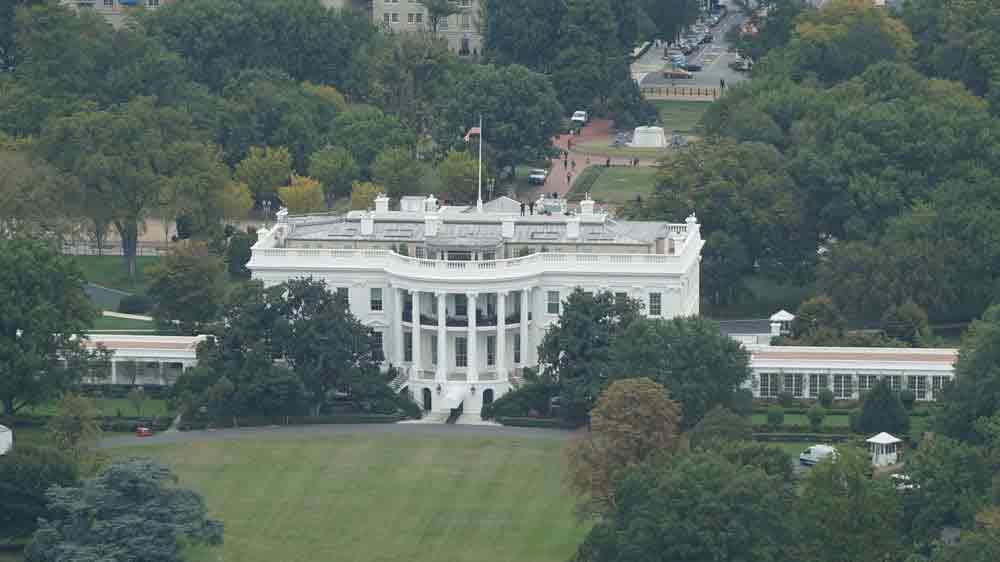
(588, 159)
(569, 178)
(572, 164)
(531, 207)
(564, 163)
(522, 208)
(608, 163)
(570, 144)
(722, 83)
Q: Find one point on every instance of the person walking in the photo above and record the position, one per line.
(569, 178)
(722, 83)
(531, 206)
(522, 208)
(572, 164)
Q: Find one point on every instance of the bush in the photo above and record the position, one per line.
(816, 415)
(883, 411)
(553, 423)
(826, 397)
(786, 400)
(718, 428)
(743, 402)
(908, 398)
(775, 416)
(135, 304)
(258, 421)
(852, 420)
(532, 397)
(25, 475)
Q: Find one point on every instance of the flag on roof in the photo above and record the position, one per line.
(475, 131)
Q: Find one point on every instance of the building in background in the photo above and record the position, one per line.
(114, 11)
(461, 30)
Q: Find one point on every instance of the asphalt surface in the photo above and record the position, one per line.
(714, 57)
(312, 431)
(104, 297)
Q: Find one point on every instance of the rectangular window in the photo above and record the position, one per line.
(937, 384)
(895, 382)
(793, 384)
(420, 18)
(375, 303)
(491, 351)
(655, 304)
(386, 17)
(517, 349)
(342, 294)
(459, 256)
(153, 3)
(109, 3)
(407, 347)
(461, 352)
(434, 350)
(865, 383)
(918, 384)
(461, 305)
(842, 387)
(491, 304)
(410, 18)
(466, 21)
(552, 305)
(620, 298)
(769, 385)
(395, 17)
(420, 253)
(488, 256)
(817, 383)
(443, 24)
(379, 349)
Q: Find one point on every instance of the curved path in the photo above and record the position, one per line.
(305, 431)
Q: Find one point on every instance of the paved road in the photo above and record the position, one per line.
(305, 431)
(714, 57)
(104, 297)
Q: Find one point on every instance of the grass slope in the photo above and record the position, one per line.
(680, 116)
(372, 497)
(109, 271)
(620, 185)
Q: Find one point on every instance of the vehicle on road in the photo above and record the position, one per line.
(537, 176)
(707, 39)
(740, 65)
(579, 117)
(677, 74)
(816, 453)
(143, 431)
(692, 67)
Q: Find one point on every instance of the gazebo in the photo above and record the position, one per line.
(884, 448)
(6, 440)
(781, 322)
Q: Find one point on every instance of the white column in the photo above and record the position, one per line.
(114, 372)
(415, 315)
(524, 325)
(441, 374)
(472, 348)
(397, 327)
(501, 357)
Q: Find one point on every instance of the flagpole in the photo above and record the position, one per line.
(479, 199)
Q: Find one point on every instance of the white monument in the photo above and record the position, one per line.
(648, 137)
(6, 440)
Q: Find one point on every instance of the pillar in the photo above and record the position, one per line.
(501, 335)
(415, 334)
(524, 326)
(472, 348)
(441, 374)
(114, 372)
(397, 326)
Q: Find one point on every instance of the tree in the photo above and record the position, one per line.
(44, 312)
(881, 411)
(136, 397)
(438, 10)
(775, 417)
(844, 514)
(236, 202)
(975, 391)
(367, 131)
(396, 170)
(816, 414)
(25, 474)
(590, 61)
(815, 314)
(524, 32)
(187, 288)
(459, 174)
(576, 352)
(336, 169)
(264, 170)
(774, 461)
(701, 366)
(131, 511)
(724, 262)
(35, 200)
(126, 157)
(670, 16)
(906, 322)
(363, 194)
(633, 421)
(719, 429)
(76, 427)
(697, 507)
(302, 195)
(238, 253)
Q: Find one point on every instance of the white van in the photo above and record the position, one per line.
(816, 453)
(579, 117)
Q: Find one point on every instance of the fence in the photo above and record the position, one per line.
(670, 92)
(111, 249)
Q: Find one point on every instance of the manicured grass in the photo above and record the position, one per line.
(111, 407)
(801, 419)
(622, 184)
(378, 497)
(602, 148)
(761, 298)
(680, 116)
(793, 449)
(109, 271)
(111, 323)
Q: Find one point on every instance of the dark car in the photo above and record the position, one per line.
(706, 39)
(693, 67)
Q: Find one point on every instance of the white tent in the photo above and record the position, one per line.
(884, 449)
(648, 137)
(6, 439)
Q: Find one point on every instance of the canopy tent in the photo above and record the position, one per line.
(648, 137)
(6, 439)
(884, 449)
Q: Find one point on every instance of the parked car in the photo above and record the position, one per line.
(677, 74)
(579, 117)
(692, 67)
(740, 65)
(143, 431)
(903, 482)
(537, 176)
(816, 453)
(707, 39)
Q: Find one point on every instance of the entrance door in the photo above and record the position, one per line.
(487, 396)
(427, 399)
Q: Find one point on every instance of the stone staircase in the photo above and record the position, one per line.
(400, 381)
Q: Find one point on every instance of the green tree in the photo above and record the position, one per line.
(126, 157)
(774, 461)
(76, 427)
(131, 510)
(524, 32)
(701, 366)
(363, 194)
(632, 422)
(25, 475)
(45, 312)
(815, 314)
(773, 31)
(302, 195)
(238, 253)
(34, 198)
(264, 170)
(590, 60)
(975, 392)
(698, 507)
(136, 397)
(844, 514)
(236, 201)
(816, 414)
(459, 173)
(396, 169)
(367, 131)
(336, 169)
(670, 16)
(719, 429)
(724, 262)
(881, 411)
(438, 10)
(187, 288)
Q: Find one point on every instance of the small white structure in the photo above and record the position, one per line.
(6, 440)
(884, 449)
(648, 137)
(817, 453)
(781, 323)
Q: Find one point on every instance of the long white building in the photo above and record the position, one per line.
(461, 296)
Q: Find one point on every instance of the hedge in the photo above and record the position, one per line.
(108, 423)
(802, 437)
(795, 428)
(155, 392)
(916, 413)
(260, 421)
(552, 423)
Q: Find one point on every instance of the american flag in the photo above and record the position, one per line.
(475, 131)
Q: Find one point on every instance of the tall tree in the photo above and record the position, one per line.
(127, 156)
(236, 201)
(524, 32)
(264, 170)
(459, 174)
(75, 428)
(131, 511)
(302, 195)
(397, 170)
(882, 410)
(26, 473)
(975, 392)
(670, 16)
(633, 421)
(43, 314)
(591, 61)
(187, 289)
(367, 131)
(336, 169)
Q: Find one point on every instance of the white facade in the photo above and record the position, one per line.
(461, 259)
(147, 360)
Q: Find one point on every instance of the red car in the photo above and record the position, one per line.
(143, 432)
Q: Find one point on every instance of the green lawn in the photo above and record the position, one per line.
(383, 498)
(603, 148)
(619, 185)
(112, 323)
(109, 271)
(111, 407)
(680, 116)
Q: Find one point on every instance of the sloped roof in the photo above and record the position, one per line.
(782, 316)
(884, 439)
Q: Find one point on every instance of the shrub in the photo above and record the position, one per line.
(775, 416)
(135, 304)
(908, 398)
(528, 398)
(786, 400)
(852, 420)
(826, 397)
(719, 427)
(882, 411)
(743, 402)
(816, 415)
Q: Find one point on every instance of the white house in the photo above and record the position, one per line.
(461, 295)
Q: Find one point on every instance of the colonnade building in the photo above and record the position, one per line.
(461, 296)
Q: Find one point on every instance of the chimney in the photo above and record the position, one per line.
(573, 228)
(368, 224)
(508, 227)
(382, 203)
(587, 206)
(431, 222)
(431, 204)
(692, 224)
